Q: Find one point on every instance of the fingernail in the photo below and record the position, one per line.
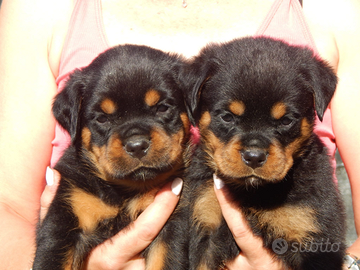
(49, 176)
(176, 186)
(219, 184)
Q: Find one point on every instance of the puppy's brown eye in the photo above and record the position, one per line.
(102, 119)
(286, 121)
(162, 108)
(227, 118)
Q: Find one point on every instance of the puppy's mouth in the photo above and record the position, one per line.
(143, 178)
(141, 174)
(246, 182)
(253, 181)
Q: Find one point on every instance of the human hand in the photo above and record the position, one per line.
(253, 255)
(122, 251)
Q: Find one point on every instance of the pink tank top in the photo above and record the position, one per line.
(86, 39)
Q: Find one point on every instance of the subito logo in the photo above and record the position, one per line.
(280, 246)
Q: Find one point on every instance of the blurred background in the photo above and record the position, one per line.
(345, 190)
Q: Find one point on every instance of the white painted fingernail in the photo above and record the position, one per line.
(219, 184)
(49, 176)
(176, 186)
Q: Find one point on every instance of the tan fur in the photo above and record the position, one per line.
(293, 149)
(207, 211)
(86, 137)
(152, 97)
(156, 257)
(67, 265)
(205, 121)
(164, 148)
(277, 164)
(237, 107)
(186, 123)
(202, 266)
(278, 110)
(137, 205)
(90, 209)
(108, 106)
(226, 158)
(96, 155)
(293, 223)
(115, 148)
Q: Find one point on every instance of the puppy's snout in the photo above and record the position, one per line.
(137, 146)
(254, 158)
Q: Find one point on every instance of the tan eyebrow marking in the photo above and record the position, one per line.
(152, 97)
(278, 110)
(237, 107)
(108, 106)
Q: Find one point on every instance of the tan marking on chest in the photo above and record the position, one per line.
(157, 255)
(137, 205)
(90, 210)
(295, 223)
(207, 211)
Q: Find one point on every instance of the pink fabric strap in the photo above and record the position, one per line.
(85, 40)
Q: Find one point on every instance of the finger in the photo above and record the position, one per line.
(249, 244)
(52, 183)
(253, 253)
(123, 248)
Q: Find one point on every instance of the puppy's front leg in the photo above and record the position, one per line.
(169, 251)
(56, 238)
(211, 242)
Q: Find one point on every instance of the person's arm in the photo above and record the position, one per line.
(345, 105)
(27, 87)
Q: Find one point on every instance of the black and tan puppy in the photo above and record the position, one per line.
(126, 116)
(255, 104)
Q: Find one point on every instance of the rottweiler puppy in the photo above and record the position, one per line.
(254, 102)
(129, 128)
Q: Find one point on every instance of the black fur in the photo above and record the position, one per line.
(128, 96)
(276, 89)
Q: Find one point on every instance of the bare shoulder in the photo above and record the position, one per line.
(33, 13)
(334, 25)
(33, 25)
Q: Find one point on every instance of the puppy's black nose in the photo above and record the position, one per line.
(137, 146)
(254, 158)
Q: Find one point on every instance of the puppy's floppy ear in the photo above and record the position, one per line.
(322, 83)
(67, 105)
(197, 74)
(195, 81)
